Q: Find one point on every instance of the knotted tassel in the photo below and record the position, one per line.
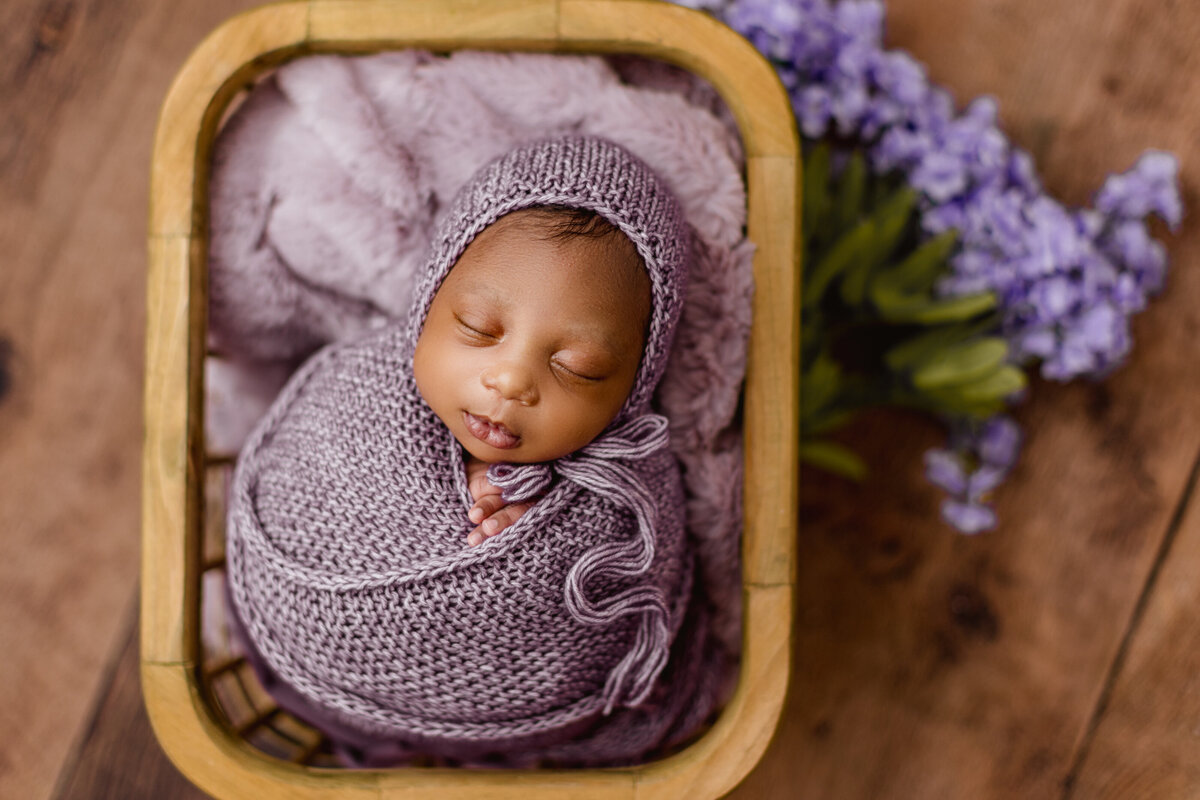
(520, 482)
(599, 467)
(602, 467)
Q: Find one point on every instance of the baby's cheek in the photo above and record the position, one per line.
(427, 373)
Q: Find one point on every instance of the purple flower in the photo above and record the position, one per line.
(945, 469)
(969, 518)
(1150, 187)
(999, 442)
(1036, 343)
(1066, 281)
(1021, 173)
(814, 108)
(860, 21)
(898, 147)
(1129, 243)
(901, 78)
(1072, 356)
(940, 175)
(979, 459)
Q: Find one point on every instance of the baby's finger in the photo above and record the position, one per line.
(503, 518)
(484, 507)
(479, 487)
(497, 522)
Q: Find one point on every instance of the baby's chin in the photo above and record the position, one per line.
(489, 455)
(521, 454)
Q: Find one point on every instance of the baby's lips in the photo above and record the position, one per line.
(490, 433)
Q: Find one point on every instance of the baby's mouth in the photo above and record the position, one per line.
(490, 433)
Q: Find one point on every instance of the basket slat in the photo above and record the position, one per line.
(772, 426)
(444, 25)
(169, 576)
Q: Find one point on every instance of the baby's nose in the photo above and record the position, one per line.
(512, 382)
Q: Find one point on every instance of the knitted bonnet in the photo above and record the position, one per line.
(348, 570)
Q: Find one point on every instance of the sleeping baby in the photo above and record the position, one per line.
(463, 536)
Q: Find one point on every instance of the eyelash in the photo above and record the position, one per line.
(573, 374)
(475, 332)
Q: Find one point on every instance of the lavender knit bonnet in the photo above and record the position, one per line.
(348, 571)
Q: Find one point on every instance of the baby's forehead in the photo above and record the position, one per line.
(569, 227)
(558, 223)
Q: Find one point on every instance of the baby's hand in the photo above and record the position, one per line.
(490, 513)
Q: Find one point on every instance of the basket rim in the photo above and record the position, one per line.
(225, 63)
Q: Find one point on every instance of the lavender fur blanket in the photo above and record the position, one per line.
(327, 185)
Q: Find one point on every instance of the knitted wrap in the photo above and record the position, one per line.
(347, 560)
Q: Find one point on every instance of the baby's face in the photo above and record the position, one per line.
(531, 346)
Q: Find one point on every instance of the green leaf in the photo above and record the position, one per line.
(890, 220)
(815, 192)
(956, 406)
(845, 252)
(819, 384)
(852, 184)
(917, 272)
(833, 457)
(980, 398)
(917, 349)
(961, 363)
(825, 422)
(896, 306)
(999, 384)
(891, 217)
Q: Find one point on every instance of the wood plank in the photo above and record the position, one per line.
(81, 82)
(932, 665)
(1147, 738)
(118, 755)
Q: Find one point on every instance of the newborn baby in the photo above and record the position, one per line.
(464, 536)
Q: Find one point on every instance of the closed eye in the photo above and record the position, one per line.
(473, 332)
(573, 374)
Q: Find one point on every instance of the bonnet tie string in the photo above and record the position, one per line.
(603, 467)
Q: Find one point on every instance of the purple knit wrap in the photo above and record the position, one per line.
(347, 559)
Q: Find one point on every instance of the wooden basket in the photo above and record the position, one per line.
(207, 715)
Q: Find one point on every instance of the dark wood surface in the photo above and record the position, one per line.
(118, 756)
(1058, 657)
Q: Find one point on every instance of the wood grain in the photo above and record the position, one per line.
(932, 665)
(118, 756)
(926, 664)
(1147, 737)
(80, 87)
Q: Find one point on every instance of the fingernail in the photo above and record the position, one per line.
(474, 514)
(474, 539)
(491, 526)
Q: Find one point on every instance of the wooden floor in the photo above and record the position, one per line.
(1058, 657)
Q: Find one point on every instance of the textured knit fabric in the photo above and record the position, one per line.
(347, 561)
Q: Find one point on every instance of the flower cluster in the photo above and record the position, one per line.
(1066, 281)
(990, 450)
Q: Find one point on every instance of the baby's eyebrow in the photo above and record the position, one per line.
(483, 294)
(601, 339)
